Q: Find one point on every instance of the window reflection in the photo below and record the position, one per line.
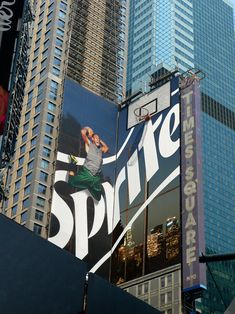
(153, 240)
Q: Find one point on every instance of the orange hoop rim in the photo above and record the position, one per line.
(140, 116)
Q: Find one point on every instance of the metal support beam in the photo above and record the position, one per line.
(216, 257)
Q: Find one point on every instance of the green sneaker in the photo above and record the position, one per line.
(73, 160)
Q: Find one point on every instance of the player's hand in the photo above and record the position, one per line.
(90, 131)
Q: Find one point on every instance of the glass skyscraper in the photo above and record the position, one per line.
(198, 34)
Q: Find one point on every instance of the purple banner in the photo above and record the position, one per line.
(193, 242)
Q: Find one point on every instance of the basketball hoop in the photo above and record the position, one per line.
(142, 114)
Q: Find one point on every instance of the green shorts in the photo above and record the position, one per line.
(85, 180)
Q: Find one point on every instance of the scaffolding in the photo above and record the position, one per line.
(17, 85)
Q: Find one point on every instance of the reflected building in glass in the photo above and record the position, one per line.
(185, 34)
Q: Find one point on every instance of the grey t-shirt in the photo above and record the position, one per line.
(94, 159)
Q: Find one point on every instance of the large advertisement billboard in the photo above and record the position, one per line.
(116, 200)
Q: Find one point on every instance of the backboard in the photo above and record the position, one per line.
(149, 104)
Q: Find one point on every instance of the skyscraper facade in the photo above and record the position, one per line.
(75, 38)
(96, 55)
(187, 34)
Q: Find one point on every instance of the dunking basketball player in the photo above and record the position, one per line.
(89, 176)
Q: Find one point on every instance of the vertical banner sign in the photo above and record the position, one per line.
(193, 242)
(10, 14)
(116, 199)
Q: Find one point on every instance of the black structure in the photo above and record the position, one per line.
(38, 277)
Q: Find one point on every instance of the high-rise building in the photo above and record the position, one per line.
(95, 56)
(199, 34)
(81, 39)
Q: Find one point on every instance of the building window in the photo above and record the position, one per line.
(34, 141)
(42, 7)
(51, 6)
(32, 153)
(44, 164)
(20, 161)
(50, 15)
(24, 137)
(37, 229)
(17, 185)
(27, 116)
(42, 73)
(56, 71)
(27, 190)
(39, 215)
(42, 189)
(13, 210)
(49, 129)
(46, 43)
(43, 176)
(33, 72)
(53, 90)
(60, 33)
(47, 140)
(37, 43)
(40, 202)
(24, 217)
(41, 15)
(23, 149)
(51, 106)
(15, 197)
(46, 152)
(29, 177)
(162, 299)
(63, 6)
(48, 33)
(26, 127)
(169, 297)
(50, 117)
(45, 54)
(36, 119)
(146, 287)
(19, 173)
(162, 282)
(62, 14)
(35, 62)
(48, 25)
(38, 108)
(56, 62)
(40, 90)
(30, 165)
(32, 81)
(38, 35)
(36, 52)
(61, 23)
(58, 52)
(169, 279)
(35, 130)
(58, 42)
